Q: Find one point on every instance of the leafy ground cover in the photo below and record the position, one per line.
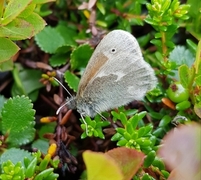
(156, 138)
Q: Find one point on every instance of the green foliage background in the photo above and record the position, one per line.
(32, 54)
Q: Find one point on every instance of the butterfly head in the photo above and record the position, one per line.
(85, 107)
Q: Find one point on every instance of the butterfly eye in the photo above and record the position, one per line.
(113, 50)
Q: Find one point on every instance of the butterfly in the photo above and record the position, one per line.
(116, 74)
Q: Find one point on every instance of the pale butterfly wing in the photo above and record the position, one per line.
(115, 75)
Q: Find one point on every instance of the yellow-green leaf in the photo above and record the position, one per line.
(101, 166)
(13, 9)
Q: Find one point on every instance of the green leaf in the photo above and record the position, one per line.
(185, 75)
(137, 21)
(18, 121)
(30, 170)
(198, 59)
(29, 9)
(24, 26)
(123, 118)
(197, 109)
(49, 40)
(105, 123)
(148, 128)
(156, 42)
(42, 1)
(149, 158)
(15, 155)
(121, 131)
(198, 80)
(194, 10)
(122, 142)
(115, 115)
(183, 105)
(119, 6)
(162, 28)
(143, 40)
(143, 142)
(134, 121)
(32, 83)
(155, 115)
(36, 23)
(80, 56)
(158, 163)
(6, 65)
(134, 135)
(171, 30)
(26, 162)
(165, 173)
(13, 9)
(181, 55)
(18, 29)
(46, 128)
(2, 101)
(129, 128)
(131, 112)
(175, 5)
(141, 132)
(153, 140)
(116, 137)
(191, 45)
(72, 80)
(67, 33)
(165, 121)
(169, 44)
(100, 7)
(159, 56)
(44, 174)
(41, 145)
(149, 20)
(26, 82)
(44, 163)
(141, 115)
(58, 59)
(64, 49)
(100, 134)
(165, 5)
(110, 17)
(7, 49)
(159, 132)
(101, 23)
(158, 35)
(11, 171)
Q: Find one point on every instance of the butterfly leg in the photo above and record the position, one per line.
(81, 114)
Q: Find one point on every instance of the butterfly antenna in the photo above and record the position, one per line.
(63, 86)
(84, 123)
(59, 109)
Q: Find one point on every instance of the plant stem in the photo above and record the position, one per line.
(164, 48)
